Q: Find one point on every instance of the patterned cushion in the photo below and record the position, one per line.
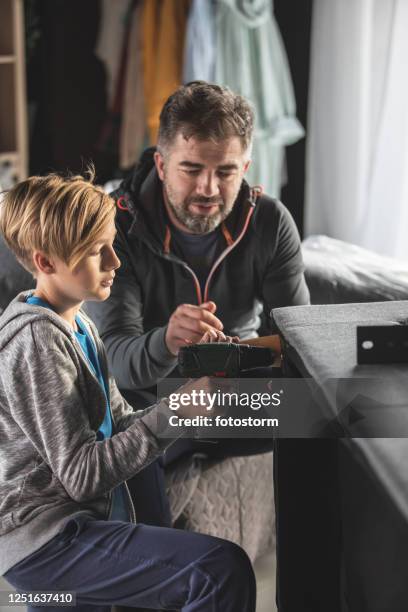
(231, 499)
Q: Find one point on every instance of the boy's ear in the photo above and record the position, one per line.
(43, 263)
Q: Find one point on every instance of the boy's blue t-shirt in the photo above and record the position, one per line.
(120, 510)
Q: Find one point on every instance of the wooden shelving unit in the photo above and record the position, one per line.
(13, 105)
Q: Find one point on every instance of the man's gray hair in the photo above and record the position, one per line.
(207, 112)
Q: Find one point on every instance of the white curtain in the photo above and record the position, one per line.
(357, 150)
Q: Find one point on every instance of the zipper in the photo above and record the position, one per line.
(109, 495)
(196, 283)
(90, 370)
(223, 255)
(131, 508)
(105, 374)
(227, 251)
(110, 506)
(130, 503)
(255, 192)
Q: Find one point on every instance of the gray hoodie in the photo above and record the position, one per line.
(51, 405)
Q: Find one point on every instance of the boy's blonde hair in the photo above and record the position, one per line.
(59, 215)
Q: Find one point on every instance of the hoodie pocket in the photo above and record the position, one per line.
(40, 491)
(7, 523)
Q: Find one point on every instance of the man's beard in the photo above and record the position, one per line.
(196, 223)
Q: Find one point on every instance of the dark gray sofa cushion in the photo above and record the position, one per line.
(13, 277)
(340, 273)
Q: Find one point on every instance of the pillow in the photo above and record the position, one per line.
(339, 272)
(13, 277)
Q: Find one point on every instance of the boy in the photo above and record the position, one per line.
(69, 441)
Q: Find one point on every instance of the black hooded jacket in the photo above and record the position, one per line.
(259, 269)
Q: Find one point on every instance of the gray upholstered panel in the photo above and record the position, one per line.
(322, 342)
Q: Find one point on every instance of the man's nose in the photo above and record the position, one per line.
(208, 185)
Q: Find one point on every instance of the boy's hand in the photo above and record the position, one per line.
(189, 323)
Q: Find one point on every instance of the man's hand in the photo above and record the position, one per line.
(221, 337)
(189, 323)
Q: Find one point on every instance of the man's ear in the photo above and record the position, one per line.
(246, 165)
(159, 162)
(43, 263)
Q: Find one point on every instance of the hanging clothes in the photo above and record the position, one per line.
(200, 49)
(251, 60)
(164, 26)
(133, 124)
(110, 40)
(108, 140)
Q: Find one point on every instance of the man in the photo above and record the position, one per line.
(201, 252)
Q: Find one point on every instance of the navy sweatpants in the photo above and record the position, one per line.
(115, 563)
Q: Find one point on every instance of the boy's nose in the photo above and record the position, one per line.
(112, 262)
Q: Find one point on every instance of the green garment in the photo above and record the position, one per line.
(252, 61)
